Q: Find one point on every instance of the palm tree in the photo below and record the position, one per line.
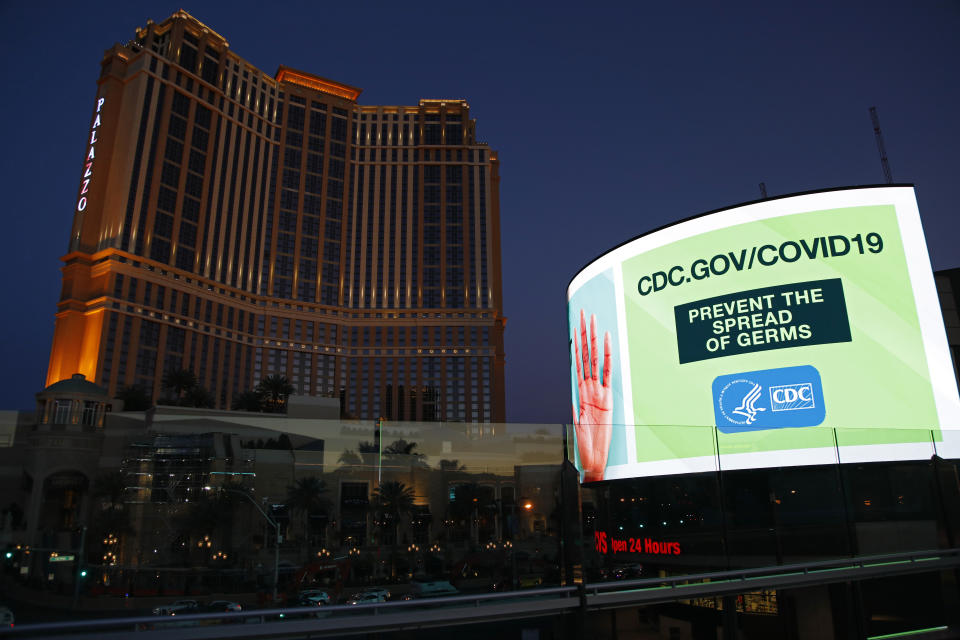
(350, 458)
(134, 398)
(401, 448)
(452, 465)
(180, 381)
(393, 500)
(403, 452)
(368, 452)
(198, 397)
(306, 496)
(248, 401)
(275, 389)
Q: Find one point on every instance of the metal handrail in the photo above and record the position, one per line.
(524, 603)
(773, 570)
(292, 612)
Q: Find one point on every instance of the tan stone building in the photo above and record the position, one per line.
(241, 225)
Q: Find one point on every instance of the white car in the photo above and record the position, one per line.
(432, 588)
(316, 597)
(180, 606)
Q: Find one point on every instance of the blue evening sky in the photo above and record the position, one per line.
(610, 119)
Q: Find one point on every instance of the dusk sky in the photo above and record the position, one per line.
(609, 119)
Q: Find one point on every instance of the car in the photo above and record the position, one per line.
(432, 588)
(369, 596)
(222, 606)
(530, 580)
(501, 585)
(6, 617)
(317, 597)
(178, 607)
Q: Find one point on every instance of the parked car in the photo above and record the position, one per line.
(432, 588)
(530, 580)
(6, 617)
(369, 596)
(225, 606)
(178, 607)
(313, 597)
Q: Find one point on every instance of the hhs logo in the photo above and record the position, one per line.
(768, 399)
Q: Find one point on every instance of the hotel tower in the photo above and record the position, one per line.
(242, 225)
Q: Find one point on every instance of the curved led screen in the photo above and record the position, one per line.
(798, 330)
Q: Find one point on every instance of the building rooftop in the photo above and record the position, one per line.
(77, 383)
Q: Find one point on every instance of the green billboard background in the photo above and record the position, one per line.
(878, 381)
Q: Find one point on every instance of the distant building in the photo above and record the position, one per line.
(154, 488)
(948, 288)
(241, 225)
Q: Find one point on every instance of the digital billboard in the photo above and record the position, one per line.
(798, 330)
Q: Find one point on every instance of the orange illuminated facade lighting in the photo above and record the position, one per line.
(164, 275)
(292, 76)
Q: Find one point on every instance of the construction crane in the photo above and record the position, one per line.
(887, 175)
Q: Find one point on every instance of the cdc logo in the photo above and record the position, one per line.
(792, 397)
(768, 399)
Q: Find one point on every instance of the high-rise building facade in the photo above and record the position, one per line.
(241, 225)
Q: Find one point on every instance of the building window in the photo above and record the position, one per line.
(61, 412)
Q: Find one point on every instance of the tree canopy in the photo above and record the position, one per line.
(135, 398)
(274, 391)
(308, 495)
(186, 389)
(393, 499)
(403, 452)
(180, 381)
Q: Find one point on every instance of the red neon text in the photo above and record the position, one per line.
(605, 544)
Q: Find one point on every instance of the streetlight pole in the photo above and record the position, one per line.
(79, 559)
(276, 547)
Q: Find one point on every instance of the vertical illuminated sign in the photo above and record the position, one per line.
(88, 163)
